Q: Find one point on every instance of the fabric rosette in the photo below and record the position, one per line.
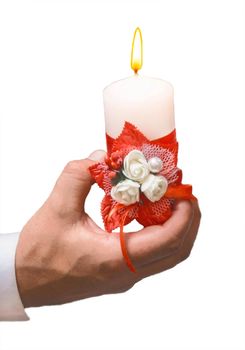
(141, 180)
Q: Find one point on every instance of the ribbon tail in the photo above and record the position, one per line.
(121, 220)
(123, 244)
(180, 191)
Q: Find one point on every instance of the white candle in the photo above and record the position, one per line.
(145, 102)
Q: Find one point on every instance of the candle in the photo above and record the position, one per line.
(143, 101)
(139, 174)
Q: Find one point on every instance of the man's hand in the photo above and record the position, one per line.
(62, 255)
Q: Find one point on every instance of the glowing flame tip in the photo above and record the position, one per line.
(137, 51)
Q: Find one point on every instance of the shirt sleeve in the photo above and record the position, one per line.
(11, 307)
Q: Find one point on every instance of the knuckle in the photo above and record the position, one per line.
(185, 255)
(175, 244)
(72, 165)
(124, 288)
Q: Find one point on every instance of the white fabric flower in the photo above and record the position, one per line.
(154, 187)
(135, 166)
(126, 192)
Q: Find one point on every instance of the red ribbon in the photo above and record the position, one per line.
(123, 243)
(179, 191)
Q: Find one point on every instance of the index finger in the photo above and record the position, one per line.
(158, 241)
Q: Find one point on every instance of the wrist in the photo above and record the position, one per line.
(21, 271)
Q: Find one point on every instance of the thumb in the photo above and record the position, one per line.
(74, 183)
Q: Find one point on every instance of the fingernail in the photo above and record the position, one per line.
(97, 156)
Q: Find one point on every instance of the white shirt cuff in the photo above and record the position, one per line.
(11, 307)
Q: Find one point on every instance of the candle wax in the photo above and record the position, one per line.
(147, 103)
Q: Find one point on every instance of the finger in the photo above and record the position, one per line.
(180, 255)
(74, 183)
(156, 242)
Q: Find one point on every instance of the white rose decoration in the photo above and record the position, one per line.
(126, 192)
(135, 166)
(154, 187)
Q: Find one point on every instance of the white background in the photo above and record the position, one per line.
(55, 59)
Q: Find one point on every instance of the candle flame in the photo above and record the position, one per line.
(137, 51)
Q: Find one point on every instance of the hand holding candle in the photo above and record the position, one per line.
(140, 175)
(63, 255)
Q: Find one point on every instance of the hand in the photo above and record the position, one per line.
(62, 255)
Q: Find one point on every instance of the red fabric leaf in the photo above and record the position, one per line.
(130, 136)
(97, 172)
(166, 140)
(112, 212)
(106, 207)
(109, 143)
